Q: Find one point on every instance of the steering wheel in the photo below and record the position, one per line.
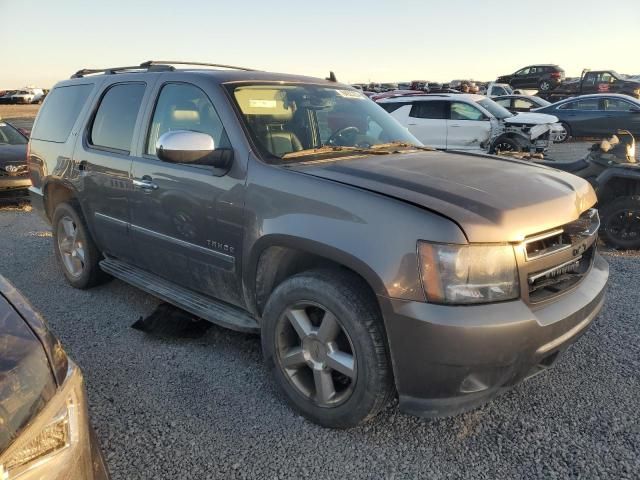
(343, 137)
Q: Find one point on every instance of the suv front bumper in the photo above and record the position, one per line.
(450, 359)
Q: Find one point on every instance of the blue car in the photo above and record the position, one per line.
(596, 115)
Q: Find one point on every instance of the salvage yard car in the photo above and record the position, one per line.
(591, 82)
(14, 175)
(44, 422)
(540, 77)
(297, 208)
(595, 115)
(471, 122)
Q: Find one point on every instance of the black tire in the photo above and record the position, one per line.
(567, 129)
(90, 274)
(356, 310)
(505, 144)
(621, 223)
(544, 85)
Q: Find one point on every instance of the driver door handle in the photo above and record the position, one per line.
(145, 183)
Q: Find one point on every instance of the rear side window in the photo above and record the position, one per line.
(116, 116)
(59, 112)
(433, 110)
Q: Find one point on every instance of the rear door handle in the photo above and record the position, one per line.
(145, 183)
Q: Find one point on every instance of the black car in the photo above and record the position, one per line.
(520, 103)
(14, 175)
(540, 77)
(44, 423)
(596, 115)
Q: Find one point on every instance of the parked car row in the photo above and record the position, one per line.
(26, 95)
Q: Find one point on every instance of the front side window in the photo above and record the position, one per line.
(182, 106)
(60, 112)
(587, 104)
(504, 102)
(431, 110)
(464, 111)
(524, 71)
(494, 109)
(293, 121)
(116, 117)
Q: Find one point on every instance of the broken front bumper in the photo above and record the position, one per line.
(450, 359)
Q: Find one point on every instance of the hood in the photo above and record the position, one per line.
(15, 154)
(529, 118)
(492, 199)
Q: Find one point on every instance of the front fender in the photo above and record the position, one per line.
(374, 235)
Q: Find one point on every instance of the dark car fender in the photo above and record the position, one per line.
(617, 181)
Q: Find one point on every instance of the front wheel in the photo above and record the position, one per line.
(324, 340)
(621, 223)
(505, 145)
(564, 135)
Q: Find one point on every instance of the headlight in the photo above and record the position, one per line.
(54, 431)
(464, 274)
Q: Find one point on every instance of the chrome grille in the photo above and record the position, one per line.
(558, 259)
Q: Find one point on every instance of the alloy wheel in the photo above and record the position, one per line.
(544, 86)
(504, 147)
(316, 354)
(72, 251)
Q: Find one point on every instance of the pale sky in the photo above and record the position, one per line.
(46, 41)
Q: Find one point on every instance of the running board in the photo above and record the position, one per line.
(200, 305)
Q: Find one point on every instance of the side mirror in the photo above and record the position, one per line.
(185, 146)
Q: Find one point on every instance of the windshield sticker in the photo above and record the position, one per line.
(350, 94)
(263, 103)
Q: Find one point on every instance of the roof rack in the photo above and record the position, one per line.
(165, 63)
(152, 66)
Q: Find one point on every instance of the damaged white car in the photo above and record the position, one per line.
(472, 122)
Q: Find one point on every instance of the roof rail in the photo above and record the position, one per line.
(151, 63)
(152, 66)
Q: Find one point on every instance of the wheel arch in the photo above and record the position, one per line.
(613, 184)
(55, 192)
(278, 257)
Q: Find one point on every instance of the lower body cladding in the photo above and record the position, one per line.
(451, 359)
(14, 186)
(59, 444)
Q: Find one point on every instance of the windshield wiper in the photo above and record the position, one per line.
(330, 149)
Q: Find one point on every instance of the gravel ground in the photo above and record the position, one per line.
(167, 408)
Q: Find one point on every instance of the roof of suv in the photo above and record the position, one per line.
(220, 73)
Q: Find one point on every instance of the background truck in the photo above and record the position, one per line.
(597, 81)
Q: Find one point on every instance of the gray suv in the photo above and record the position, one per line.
(299, 209)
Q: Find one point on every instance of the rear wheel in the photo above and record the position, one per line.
(323, 339)
(621, 223)
(544, 86)
(74, 248)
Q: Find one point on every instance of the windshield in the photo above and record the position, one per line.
(494, 109)
(296, 121)
(9, 135)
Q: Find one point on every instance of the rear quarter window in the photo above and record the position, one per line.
(59, 112)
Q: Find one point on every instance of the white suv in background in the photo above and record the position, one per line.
(471, 122)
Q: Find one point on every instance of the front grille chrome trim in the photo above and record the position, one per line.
(533, 278)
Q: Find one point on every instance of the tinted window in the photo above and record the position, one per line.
(116, 116)
(590, 104)
(59, 112)
(10, 135)
(617, 105)
(185, 107)
(433, 110)
(524, 71)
